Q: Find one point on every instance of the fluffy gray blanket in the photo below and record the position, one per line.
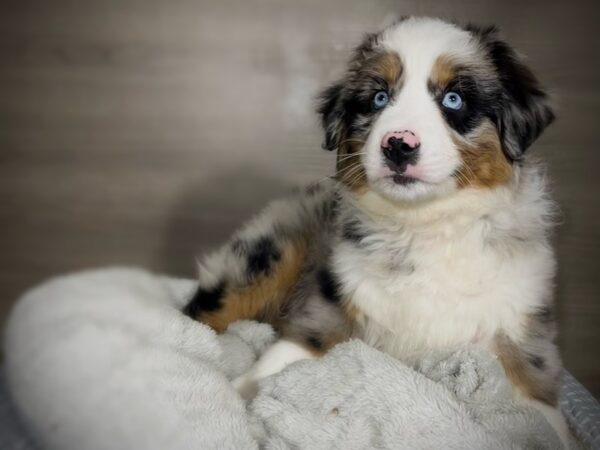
(105, 360)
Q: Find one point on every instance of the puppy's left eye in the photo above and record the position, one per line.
(380, 99)
(452, 101)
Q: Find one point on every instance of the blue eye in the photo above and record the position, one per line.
(452, 101)
(380, 100)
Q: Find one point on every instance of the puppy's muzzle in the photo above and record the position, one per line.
(400, 148)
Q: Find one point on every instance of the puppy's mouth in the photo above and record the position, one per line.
(398, 174)
(402, 179)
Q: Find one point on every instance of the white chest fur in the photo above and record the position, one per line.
(430, 282)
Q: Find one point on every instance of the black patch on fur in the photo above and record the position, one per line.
(261, 255)
(352, 232)
(329, 208)
(315, 342)
(205, 300)
(478, 100)
(328, 286)
(537, 361)
(332, 115)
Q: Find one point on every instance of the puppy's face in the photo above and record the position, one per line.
(427, 108)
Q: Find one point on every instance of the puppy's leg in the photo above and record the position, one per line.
(275, 359)
(533, 367)
(555, 418)
(253, 275)
(313, 326)
(247, 281)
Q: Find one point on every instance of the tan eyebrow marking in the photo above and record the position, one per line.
(444, 71)
(387, 65)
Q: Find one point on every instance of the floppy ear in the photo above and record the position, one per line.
(332, 113)
(524, 110)
(332, 104)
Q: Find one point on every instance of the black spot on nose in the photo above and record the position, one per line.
(399, 153)
(400, 145)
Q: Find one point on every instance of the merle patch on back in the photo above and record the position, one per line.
(261, 255)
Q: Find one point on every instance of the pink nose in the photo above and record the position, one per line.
(407, 137)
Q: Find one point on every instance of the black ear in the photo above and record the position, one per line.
(331, 109)
(524, 109)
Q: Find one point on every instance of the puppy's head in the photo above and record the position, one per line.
(427, 107)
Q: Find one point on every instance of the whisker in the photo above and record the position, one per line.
(351, 173)
(469, 170)
(359, 141)
(357, 177)
(348, 167)
(345, 171)
(462, 177)
(325, 178)
(345, 157)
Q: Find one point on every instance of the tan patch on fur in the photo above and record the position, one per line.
(443, 72)
(261, 300)
(350, 170)
(327, 339)
(316, 352)
(484, 164)
(352, 311)
(520, 373)
(387, 65)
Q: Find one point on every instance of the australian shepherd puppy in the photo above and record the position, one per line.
(435, 230)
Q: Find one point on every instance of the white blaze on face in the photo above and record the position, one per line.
(419, 42)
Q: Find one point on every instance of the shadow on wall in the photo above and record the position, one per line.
(207, 212)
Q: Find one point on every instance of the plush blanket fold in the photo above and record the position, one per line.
(105, 360)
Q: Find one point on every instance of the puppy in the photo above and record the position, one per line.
(435, 230)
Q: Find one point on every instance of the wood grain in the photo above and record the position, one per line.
(143, 132)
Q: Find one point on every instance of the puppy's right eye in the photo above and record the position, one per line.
(380, 99)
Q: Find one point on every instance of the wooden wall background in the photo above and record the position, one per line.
(142, 132)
